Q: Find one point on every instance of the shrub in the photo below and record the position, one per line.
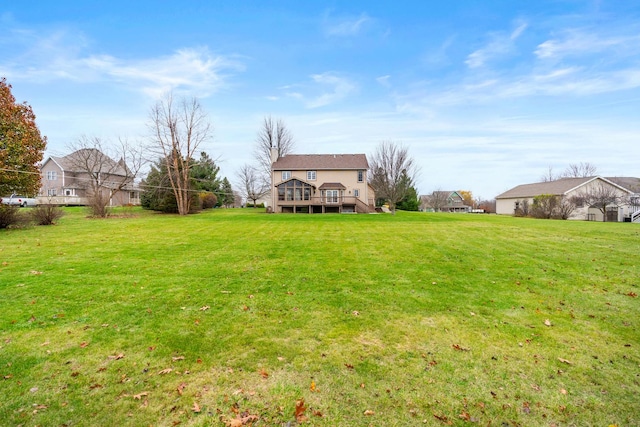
(208, 200)
(8, 215)
(46, 214)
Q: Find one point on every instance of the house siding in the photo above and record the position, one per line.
(347, 178)
(506, 203)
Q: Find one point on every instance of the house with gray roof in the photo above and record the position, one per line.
(68, 180)
(321, 183)
(575, 189)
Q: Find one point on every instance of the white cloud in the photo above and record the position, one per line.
(344, 27)
(185, 70)
(340, 86)
(384, 80)
(500, 44)
(578, 42)
(62, 55)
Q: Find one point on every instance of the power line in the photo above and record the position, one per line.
(116, 183)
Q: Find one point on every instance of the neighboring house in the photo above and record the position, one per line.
(321, 183)
(444, 201)
(64, 182)
(508, 202)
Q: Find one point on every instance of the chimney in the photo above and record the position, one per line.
(274, 154)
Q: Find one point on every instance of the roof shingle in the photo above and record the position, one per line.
(321, 161)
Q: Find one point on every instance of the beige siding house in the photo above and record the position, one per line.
(509, 201)
(321, 183)
(68, 180)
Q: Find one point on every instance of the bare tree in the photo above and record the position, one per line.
(565, 208)
(392, 172)
(102, 176)
(580, 170)
(549, 175)
(179, 127)
(252, 186)
(273, 134)
(438, 199)
(601, 196)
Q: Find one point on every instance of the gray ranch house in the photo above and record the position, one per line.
(626, 207)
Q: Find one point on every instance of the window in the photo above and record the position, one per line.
(360, 176)
(51, 192)
(51, 175)
(294, 190)
(286, 175)
(356, 192)
(311, 175)
(332, 196)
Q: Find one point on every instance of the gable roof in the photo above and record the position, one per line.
(321, 162)
(558, 187)
(295, 179)
(628, 182)
(72, 162)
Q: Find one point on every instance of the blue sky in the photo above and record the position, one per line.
(485, 95)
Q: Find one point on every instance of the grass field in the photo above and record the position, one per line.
(236, 316)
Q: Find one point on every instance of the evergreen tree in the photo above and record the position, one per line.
(226, 193)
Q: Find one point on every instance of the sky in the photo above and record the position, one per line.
(484, 95)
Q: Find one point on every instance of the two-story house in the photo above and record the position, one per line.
(69, 180)
(321, 183)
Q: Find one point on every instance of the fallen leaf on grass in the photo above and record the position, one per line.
(140, 395)
(117, 356)
(348, 365)
(299, 412)
(84, 344)
(196, 407)
(443, 418)
(242, 420)
(181, 388)
(459, 348)
(264, 373)
(175, 359)
(165, 371)
(245, 308)
(369, 412)
(204, 308)
(565, 361)
(95, 386)
(8, 377)
(563, 391)
(547, 322)
(36, 273)
(313, 386)
(356, 313)
(632, 294)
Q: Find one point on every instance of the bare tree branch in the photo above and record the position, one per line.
(601, 196)
(252, 186)
(105, 176)
(437, 199)
(272, 134)
(580, 170)
(392, 172)
(179, 128)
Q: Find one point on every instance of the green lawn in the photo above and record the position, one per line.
(235, 315)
